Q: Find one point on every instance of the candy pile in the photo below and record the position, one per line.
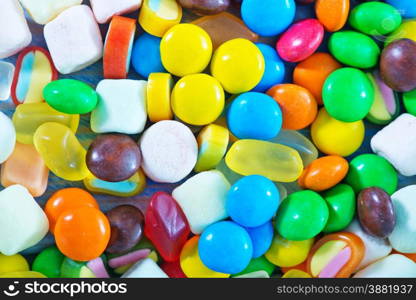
(212, 125)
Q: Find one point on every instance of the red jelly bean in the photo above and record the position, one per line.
(173, 269)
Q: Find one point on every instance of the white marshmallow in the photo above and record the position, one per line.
(7, 137)
(145, 268)
(74, 39)
(104, 10)
(392, 266)
(44, 11)
(6, 79)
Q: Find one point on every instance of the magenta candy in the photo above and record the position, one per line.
(129, 258)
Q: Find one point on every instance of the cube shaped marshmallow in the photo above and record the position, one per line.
(104, 10)
(397, 143)
(14, 31)
(22, 222)
(44, 11)
(74, 39)
(145, 268)
(121, 106)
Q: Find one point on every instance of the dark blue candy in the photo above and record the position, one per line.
(145, 55)
(261, 237)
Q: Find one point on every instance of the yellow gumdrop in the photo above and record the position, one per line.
(159, 89)
(24, 274)
(198, 99)
(62, 152)
(274, 161)
(13, 263)
(192, 265)
(185, 49)
(296, 274)
(285, 253)
(238, 64)
(157, 16)
(335, 137)
(407, 30)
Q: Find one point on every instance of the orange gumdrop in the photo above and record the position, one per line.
(333, 14)
(67, 199)
(82, 234)
(313, 71)
(298, 105)
(324, 173)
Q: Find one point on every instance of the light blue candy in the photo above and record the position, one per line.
(261, 237)
(145, 55)
(407, 8)
(274, 71)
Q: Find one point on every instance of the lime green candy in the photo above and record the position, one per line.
(348, 95)
(258, 264)
(370, 170)
(301, 216)
(75, 269)
(341, 204)
(409, 101)
(49, 262)
(375, 18)
(354, 49)
(70, 96)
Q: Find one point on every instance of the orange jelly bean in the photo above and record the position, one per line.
(83, 233)
(324, 173)
(313, 71)
(333, 14)
(67, 199)
(298, 105)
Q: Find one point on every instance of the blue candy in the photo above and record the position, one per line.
(254, 115)
(225, 247)
(407, 8)
(274, 71)
(145, 55)
(261, 237)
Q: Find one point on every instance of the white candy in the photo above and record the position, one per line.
(104, 10)
(392, 266)
(202, 199)
(14, 31)
(397, 143)
(403, 237)
(7, 137)
(43, 11)
(6, 79)
(169, 151)
(375, 248)
(145, 268)
(121, 106)
(74, 39)
(22, 222)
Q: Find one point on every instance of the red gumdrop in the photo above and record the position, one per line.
(173, 269)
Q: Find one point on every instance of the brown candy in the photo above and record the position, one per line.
(205, 7)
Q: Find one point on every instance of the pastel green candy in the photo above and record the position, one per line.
(301, 216)
(370, 170)
(375, 18)
(258, 264)
(49, 262)
(75, 269)
(348, 95)
(341, 205)
(354, 49)
(70, 96)
(409, 101)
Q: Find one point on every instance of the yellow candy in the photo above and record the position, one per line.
(192, 265)
(274, 161)
(61, 151)
(157, 16)
(13, 263)
(159, 87)
(198, 99)
(222, 121)
(238, 64)
(334, 137)
(405, 31)
(25, 274)
(285, 253)
(185, 49)
(213, 143)
(296, 274)
(29, 116)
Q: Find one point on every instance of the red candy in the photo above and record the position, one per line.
(173, 269)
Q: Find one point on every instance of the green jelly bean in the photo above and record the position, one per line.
(341, 205)
(375, 18)
(348, 94)
(354, 49)
(49, 262)
(75, 269)
(70, 96)
(409, 101)
(301, 216)
(370, 170)
(258, 264)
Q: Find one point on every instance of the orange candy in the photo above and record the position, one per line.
(83, 233)
(412, 256)
(301, 267)
(324, 173)
(313, 71)
(333, 14)
(298, 105)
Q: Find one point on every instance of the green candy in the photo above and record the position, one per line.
(70, 96)
(257, 264)
(75, 269)
(301, 216)
(341, 205)
(354, 49)
(370, 170)
(348, 95)
(409, 101)
(375, 18)
(49, 262)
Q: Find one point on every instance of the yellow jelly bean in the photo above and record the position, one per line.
(198, 99)
(159, 88)
(157, 16)
(192, 265)
(296, 274)
(285, 253)
(405, 31)
(185, 49)
(24, 274)
(13, 263)
(239, 65)
(61, 151)
(335, 137)
(29, 116)
(213, 143)
(274, 161)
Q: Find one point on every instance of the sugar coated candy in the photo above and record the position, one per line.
(405, 7)
(261, 238)
(157, 16)
(145, 55)
(333, 14)
(405, 31)
(159, 89)
(205, 7)
(274, 68)
(7, 137)
(104, 10)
